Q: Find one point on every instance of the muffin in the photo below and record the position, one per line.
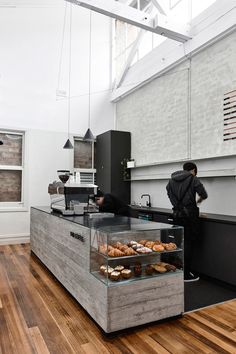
(108, 271)
(102, 269)
(148, 269)
(137, 270)
(115, 275)
(126, 273)
(119, 268)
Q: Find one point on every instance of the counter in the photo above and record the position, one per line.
(229, 219)
(63, 244)
(216, 243)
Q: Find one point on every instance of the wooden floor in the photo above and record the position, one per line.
(37, 315)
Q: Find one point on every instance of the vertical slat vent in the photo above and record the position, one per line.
(229, 112)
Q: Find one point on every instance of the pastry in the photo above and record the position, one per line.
(130, 252)
(149, 244)
(120, 246)
(103, 249)
(162, 264)
(102, 269)
(137, 271)
(158, 248)
(159, 269)
(143, 250)
(108, 271)
(123, 248)
(148, 269)
(136, 245)
(115, 275)
(117, 245)
(126, 273)
(131, 243)
(143, 242)
(119, 268)
(170, 246)
(157, 242)
(115, 253)
(170, 267)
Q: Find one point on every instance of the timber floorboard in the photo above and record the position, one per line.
(37, 315)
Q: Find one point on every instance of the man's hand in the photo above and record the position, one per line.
(199, 200)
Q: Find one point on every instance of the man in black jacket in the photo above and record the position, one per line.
(111, 204)
(182, 189)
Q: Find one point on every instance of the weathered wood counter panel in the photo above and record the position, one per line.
(68, 259)
(113, 308)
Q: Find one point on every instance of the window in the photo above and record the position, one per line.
(11, 169)
(84, 160)
(179, 14)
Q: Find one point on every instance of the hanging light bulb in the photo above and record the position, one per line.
(89, 135)
(68, 144)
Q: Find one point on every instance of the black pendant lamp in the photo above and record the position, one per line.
(89, 135)
(68, 144)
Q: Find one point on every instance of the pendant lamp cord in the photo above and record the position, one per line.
(90, 40)
(62, 46)
(69, 76)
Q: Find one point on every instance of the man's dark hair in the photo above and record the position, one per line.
(99, 194)
(188, 166)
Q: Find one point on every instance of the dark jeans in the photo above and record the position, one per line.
(191, 235)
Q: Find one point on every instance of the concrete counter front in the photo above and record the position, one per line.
(63, 244)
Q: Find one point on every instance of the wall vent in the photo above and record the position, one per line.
(87, 178)
(229, 112)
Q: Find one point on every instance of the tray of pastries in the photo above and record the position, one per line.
(134, 248)
(124, 272)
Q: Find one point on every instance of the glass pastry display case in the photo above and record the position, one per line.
(122, 254)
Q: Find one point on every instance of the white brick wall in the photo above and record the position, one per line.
(213, 74)
(159, 131)
(157, 114)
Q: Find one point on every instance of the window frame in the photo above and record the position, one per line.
(86, 170)
(20, 205)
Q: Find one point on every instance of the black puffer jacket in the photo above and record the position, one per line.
(178, 184)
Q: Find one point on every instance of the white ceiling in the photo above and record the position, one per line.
(31, 3)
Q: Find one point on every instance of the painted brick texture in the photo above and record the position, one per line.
(10, 155)
(157, 114)
(11, 150)
(10, 186)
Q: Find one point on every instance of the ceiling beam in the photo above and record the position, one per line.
(131, 55)
(159, 7)
(130, 15)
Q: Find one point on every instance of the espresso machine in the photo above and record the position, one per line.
(70, 198)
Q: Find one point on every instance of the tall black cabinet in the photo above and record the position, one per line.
(112, 147)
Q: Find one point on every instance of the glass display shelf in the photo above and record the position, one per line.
(108, 282)
(120, 254)
(153, 253)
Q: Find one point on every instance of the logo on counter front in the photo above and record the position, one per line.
(77, 236)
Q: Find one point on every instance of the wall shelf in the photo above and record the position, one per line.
(201, 174)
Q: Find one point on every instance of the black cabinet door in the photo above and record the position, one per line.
(215, 251)
(165, 218)
(112, 148)
(103, 165)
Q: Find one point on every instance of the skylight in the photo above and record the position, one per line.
(176, 14)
